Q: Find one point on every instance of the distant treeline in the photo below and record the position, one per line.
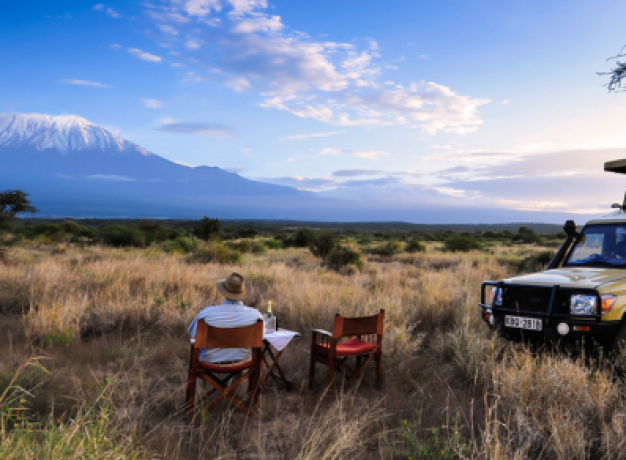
(143, 233)
(349, 228)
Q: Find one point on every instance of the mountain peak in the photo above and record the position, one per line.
(66, 133)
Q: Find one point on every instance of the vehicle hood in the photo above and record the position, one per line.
(582, 277)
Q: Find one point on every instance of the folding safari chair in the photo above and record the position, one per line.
(247, 369)
(366, 344)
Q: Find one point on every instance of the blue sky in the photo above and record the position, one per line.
(493, 104)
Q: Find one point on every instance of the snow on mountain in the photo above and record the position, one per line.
(65, 133)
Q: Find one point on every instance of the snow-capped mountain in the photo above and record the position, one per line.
(70, 166)
(66, 133)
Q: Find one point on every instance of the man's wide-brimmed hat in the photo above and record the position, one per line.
(232, 287)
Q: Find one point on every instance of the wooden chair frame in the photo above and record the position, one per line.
(368, 329)
(250, 369)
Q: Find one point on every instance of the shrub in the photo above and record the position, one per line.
(69, 226)
(216, 253)
(47, 228)
(526, 235)
(303, 238)
(181, 244)
(323, 244)
(120, 236)
(273, 244)
(536, 262)
(156, 231)
(241, 246)
(207, 228)
(257, 247)
(388, 249)
(462, 243)
(342, 256)
(415, 246)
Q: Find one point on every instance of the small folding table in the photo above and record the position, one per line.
(278, 340)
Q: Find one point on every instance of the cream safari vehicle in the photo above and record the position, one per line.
(582, 292)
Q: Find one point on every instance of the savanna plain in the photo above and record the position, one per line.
(94, 356)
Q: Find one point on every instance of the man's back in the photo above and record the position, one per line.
(229, 315)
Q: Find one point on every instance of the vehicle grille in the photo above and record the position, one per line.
(530, 299)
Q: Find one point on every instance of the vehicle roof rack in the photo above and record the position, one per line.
(616, 166)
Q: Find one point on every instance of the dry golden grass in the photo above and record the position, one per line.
(120, 314)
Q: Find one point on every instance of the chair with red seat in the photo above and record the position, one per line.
(247, 369)
(366, 342)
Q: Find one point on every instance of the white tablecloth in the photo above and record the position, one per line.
(280, 339)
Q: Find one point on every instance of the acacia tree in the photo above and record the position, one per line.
(13, 202)
(616, 74)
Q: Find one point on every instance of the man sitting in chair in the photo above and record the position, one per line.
(230, 314)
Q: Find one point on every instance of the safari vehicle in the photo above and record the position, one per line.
(582, 292)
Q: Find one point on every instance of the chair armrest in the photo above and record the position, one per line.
(322, 332)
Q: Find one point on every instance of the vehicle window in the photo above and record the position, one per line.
(600, 245)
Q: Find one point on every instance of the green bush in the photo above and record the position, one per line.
(258, 247)
(273, 244)
(181, 244)
(46, 228)
(536, 262)
(215, 252)
(121, 236)
(462, 243)
(415, 246)
(241, 246)
(303, 238)
(388, 249)
(343, 255)
(527, 236)
(207, 228)
(323, 244)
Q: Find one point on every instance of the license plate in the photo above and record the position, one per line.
(518, 322)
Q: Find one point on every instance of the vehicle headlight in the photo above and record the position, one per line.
(496, 296)
(581, 304)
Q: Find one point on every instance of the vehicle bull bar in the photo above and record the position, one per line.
(549, 314)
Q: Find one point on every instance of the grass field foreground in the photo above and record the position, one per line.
(112, 323)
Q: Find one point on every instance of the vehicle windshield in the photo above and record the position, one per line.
(599, 246)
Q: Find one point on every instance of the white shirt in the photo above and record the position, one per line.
(230, 314)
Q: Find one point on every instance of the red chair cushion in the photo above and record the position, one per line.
(351, 347)
(234, 367)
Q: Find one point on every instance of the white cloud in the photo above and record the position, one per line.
(110, 177)
(505, 102)
(94, 84)
(167, 29)
(368, 154)
(332, 82)
(202, 7)
(238, 84)
(234, 169)
(115, 46)
(258, 24)
(114, 14)
(144, 56)
(192, 45)
(110, 11)
(152, 103)
(299, 137)
(196, 129)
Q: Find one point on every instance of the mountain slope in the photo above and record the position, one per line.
(66, 163)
